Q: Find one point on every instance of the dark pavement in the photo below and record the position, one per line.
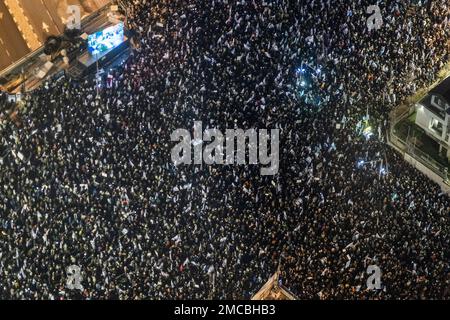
(12, 45)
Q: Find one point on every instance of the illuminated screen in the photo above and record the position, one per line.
(106, 39)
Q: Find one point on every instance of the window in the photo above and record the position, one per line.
(436, 126)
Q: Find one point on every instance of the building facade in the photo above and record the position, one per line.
(433, 115)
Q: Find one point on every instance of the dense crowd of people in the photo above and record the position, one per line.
(87, 179)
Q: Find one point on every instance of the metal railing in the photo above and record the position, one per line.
(412, 150)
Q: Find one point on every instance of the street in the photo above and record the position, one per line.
(26, 24)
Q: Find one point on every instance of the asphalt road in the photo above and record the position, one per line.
(12, 45)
